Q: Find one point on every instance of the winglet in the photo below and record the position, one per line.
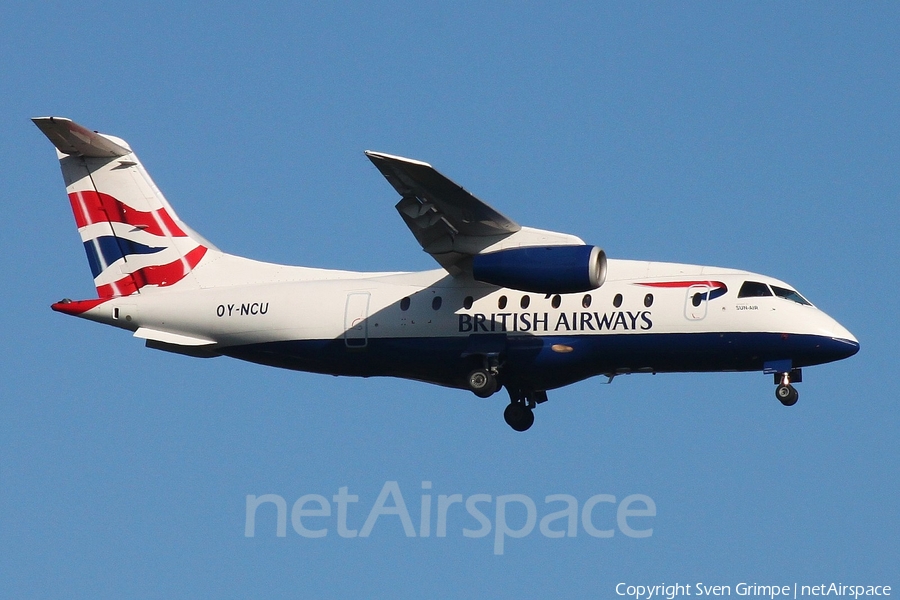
(71, 138)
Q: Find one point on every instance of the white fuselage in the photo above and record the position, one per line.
(357, 311)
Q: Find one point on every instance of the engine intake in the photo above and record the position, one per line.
(543, 269)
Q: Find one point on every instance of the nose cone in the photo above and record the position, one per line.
(826, 341)
(844, 342)
(840, 332)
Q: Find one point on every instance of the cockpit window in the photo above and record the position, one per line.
(754, 289)
(790, 295)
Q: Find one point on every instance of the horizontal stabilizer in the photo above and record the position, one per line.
(73, 139)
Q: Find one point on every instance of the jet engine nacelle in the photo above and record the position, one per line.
(543, 269)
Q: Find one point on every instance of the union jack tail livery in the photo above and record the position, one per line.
(133, 239)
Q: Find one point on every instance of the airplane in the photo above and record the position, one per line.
(510, 306)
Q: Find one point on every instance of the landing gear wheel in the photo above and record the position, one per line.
(483, 383)
(518, 416)
(787, 394)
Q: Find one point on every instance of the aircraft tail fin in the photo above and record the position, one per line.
(133, 239)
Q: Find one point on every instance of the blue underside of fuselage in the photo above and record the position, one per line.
(530, 362)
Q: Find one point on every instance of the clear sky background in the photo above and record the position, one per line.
(763, 137)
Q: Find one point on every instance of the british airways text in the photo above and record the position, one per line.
(620, 320)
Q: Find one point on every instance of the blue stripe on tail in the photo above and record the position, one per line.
(107, 249)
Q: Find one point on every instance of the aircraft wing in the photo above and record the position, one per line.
(450, 223)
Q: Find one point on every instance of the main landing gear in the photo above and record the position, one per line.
(519, 414)
(785, 392)
(484, 381)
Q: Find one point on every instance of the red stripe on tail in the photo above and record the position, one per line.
(96, 207)
(162, 275)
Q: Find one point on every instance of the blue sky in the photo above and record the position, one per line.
(762, 137)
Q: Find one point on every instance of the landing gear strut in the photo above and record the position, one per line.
(785, 392)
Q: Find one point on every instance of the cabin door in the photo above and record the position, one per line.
(356, 320)
(697, 302)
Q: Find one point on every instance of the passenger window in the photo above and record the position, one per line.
(525, 301)
(617, 301)
(556, 301)
(436, 303)
(754, 289)
(501, 302)
(648, 300)
(404, 304)
(790, 295)
(467, 303)
(586, 301)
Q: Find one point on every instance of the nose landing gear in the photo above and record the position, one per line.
(785, 392)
